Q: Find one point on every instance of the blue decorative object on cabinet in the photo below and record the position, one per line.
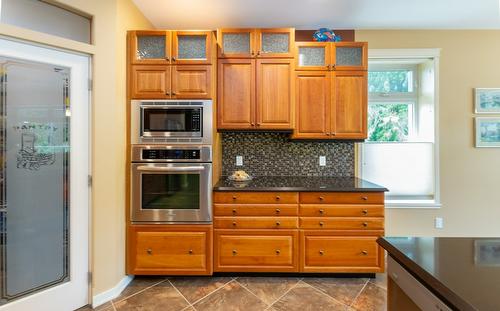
(325, 35)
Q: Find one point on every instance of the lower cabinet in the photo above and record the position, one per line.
(323, 251)
(256, 251)
(169, 250)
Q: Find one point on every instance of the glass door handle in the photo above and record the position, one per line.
(170, 169)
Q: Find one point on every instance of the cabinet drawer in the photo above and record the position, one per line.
(336, 253)
(354, 210)
(342, 197)
(256, 251)
(256, 197)
(256, 222)
(342, 223)
(256, 209)
(171, 250)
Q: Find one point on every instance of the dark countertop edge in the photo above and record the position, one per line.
(292, 189)
(429, 281)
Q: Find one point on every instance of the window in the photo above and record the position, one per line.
(400, 152)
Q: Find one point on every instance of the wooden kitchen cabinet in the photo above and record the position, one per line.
(150, 47)
(255, 94)
(191, 81)
(312, 56)
(191, 47)
(236, 43)
(349, 56)
(169, 249)
(275, 42)
(150, 82)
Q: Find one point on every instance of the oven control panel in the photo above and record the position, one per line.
(170, 154)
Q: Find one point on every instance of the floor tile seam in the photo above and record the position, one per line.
(319, 289)
(379, 286)
(284, 294)
(359, 293)
(325, 294)
(138, 292)
(252, 293)
(215, 290)
(178, 291)
(113, 305)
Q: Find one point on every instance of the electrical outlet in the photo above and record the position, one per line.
(438, 223)
(239, 161)
(322, 161)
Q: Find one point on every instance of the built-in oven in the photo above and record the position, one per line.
(171, 184)
(171, 122)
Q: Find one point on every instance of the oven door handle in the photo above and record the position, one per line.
(170, 169)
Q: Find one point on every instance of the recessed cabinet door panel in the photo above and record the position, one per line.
(191, 81)
(312, 55)
(274, 94)
(275, 42)
(236, 93)
(191, 47)
(312, 100)
(150, 47)
(350, 55)
(151, 82)
(349, 105)
(236, 43)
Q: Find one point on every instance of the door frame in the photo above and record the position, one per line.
(63, 296)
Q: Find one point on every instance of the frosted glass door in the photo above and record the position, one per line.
(276, 42)
(34, 177)
(150, 47)
(312, 56)
(350, 55)
(191, 47)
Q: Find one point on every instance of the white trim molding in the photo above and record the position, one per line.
(404, 53)
(111, 293)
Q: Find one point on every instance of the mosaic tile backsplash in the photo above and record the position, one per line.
(274, 154)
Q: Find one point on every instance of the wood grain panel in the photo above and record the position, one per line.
(238, 197)
(256, 209)
(341, 210)
(255, 222)
(191, 82)
(342, 197)
(342, 223)
(150, 82)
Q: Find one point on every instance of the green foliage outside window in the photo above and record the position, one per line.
(389, 81)
(388, 122)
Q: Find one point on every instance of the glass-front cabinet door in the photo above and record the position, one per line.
(312, 56)
(350, 55)
(275, 42)
(236, 43)
(191, 47)
(150, 47)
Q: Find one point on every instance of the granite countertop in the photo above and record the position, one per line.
(299, 183)
(463, 272)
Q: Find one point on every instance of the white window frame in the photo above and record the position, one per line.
(404, 54)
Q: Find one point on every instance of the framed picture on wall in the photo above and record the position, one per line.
(487, 252)
(487, 132)
(487, 100)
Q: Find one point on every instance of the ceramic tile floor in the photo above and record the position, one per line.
(251, 293)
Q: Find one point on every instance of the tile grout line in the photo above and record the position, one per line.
(284, 294)
(362, 289)
(325, 294)
(178, 291)
(251, 292)
(379, 286)
(113, 306)
(138, 292)
(212, 292)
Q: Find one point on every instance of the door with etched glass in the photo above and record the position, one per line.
(236, 43)
(312, 56)
(275, 42)
(349, 56)
(150, 47)
(191, 47)
(43, 167)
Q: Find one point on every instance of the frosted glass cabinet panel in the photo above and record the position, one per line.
(276, 42)
(350, 56)
(312, 56)
(236, 43)
(191, 47)
(150, 47)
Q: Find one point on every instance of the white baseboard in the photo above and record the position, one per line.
(111, 293)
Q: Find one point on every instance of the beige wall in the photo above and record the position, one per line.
(470, 177)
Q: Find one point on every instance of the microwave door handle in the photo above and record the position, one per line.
(170, 169)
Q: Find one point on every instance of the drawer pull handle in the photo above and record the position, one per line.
(321, 198)
(234, 223)
(365, 212)
(278, 198)
(149, 251)
(321, 252)
(321, 224)
(234, 252)
(278, 252)
(190, 252)
(321, 211)
(234, 211)
(365, 224)
(278, 211)
(364, 198)
(364, 253)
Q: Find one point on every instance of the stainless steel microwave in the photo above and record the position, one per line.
(171, 122)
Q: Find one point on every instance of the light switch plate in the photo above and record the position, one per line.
(239, 161)
(322, 161)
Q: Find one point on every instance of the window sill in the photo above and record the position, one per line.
(412, 204)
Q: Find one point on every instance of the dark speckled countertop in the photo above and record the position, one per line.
(299, 183)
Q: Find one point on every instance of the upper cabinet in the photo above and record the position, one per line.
(331, 56)
(170, 47)
(258, 43)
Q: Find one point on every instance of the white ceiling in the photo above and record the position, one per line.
(312, 14)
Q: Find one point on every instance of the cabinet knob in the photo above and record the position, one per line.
(167, 58)
(252, 124)
(234, 211)
(167, 93)
(253, 52)
(174, 93)
(334, 66)
(321, 198)
(333, 133)
(174, 59)
(190, 252)
(234, 252)
(321, 211)
(234, 223)
(234, 197)
(365, 224)
(149, 251)
(364, 198)
(278, 211)
(278, 252)
(364, 252)
(258, 52)
(365, 212)
(321, 252)
(321, 224)
(278, 223)
(278, 198)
